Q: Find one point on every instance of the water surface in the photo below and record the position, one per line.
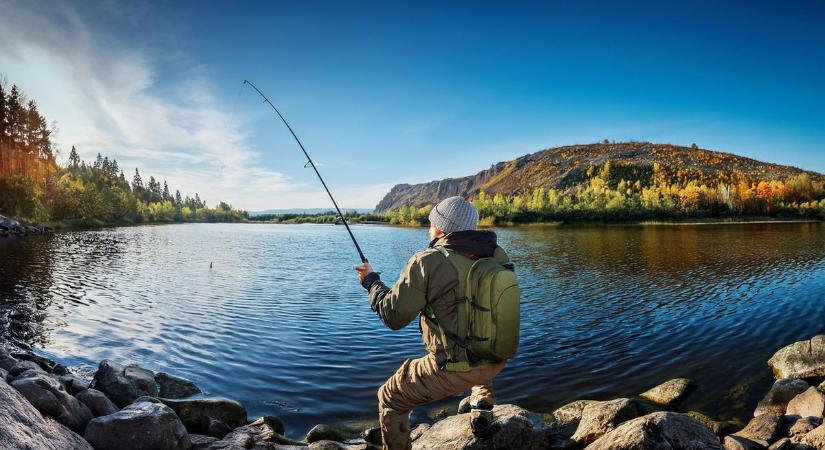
(280, 323)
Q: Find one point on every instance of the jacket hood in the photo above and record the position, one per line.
(472, 243)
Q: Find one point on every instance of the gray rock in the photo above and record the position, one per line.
(815, 438)
(600, 418)
(513, 428)
(719, 427)
(800, 426)
(373, 436)
(803, 359)
(201, 442)
(24, 427)
(175, 387)
(21, 367)
(809, 403)
(97, 402)
(74, 384)
(51, 399)
(215, 428)
(323, 432)
(3, 374)
(571, 412)
(6, 360)
(764, 428)
(193, 411)
(776, 400)
(147, 399)
(332, 445)
(464, 406)
(124, 384)
(668, 392)
(734, 442)
(659, 431)
(139, 426)
(258, 435)
(416, 433)
(782, 444)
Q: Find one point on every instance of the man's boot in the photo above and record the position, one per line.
(481, 418)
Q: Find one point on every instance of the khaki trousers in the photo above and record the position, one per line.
(420, 381)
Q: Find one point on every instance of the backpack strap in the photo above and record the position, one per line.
(454, 363)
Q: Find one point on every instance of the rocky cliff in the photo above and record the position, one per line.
(565, 168)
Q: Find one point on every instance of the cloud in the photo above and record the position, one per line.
(110, 98)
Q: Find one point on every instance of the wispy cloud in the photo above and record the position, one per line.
(108, 98)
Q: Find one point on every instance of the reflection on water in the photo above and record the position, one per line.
(280, 323)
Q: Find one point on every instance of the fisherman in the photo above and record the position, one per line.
(451, 320)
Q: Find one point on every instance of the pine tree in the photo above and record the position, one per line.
(166, 195)
(177, 197)
(137, 184)
(74, 159)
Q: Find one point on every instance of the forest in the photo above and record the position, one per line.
(35, 188)
(661, 194)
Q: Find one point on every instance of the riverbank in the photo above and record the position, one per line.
(125, 406)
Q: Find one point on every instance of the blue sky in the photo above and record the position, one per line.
(385, 93)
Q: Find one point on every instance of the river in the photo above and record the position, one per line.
(273, 316)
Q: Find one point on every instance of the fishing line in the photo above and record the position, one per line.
(312, 164)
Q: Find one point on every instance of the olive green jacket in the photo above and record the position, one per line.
(429, 279)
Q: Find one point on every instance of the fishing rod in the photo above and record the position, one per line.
(309, 161)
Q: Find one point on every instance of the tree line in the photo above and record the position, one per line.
(34, 187)
(663, 193)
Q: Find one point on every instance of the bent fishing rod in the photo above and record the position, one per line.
(309, 161)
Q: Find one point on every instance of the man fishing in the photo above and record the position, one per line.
(465, 293)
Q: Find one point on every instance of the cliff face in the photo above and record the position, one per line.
(565, 168)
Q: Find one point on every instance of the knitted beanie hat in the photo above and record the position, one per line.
(454, 214)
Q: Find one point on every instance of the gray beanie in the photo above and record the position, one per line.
(454, 214)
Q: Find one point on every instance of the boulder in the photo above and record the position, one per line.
(20, 367)
(464, 406)
(571, 412)
(97, 402)
(74, 384)
(815, 438)
(373, 435)
(414, 434)
(659, 431)
(776, 400)
(171, 386)
(764, 428)
(215, 428)
(201, 442)
(800, 426)
(51, 399)
(258, 435)
(782, 444)
(512, 428)
(193, 412)
(124, 384)
(331, 445)
(24, 427)
(719, 427)
(602, 417)
(803, 359)
(668, 392)
(324, 432)
(140, 426)
(734, 442)
(809, 403)
(6, 360)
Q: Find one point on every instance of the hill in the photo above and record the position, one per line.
(569, 169)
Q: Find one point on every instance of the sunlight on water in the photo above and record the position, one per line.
(280, 323)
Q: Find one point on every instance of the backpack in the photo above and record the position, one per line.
(488, 306)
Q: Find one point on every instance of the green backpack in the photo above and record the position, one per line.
(488, 307)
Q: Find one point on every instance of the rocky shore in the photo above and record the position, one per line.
(12, 228)
(125, 407)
